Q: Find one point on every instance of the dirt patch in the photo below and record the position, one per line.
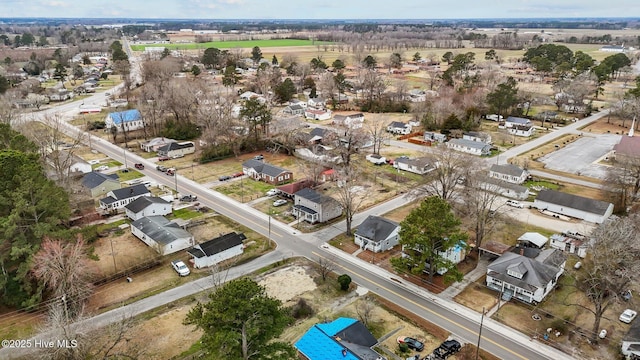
(120, 252)
(477, 297)
(288, 283)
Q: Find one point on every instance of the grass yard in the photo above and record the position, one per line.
(245, 44)
(244, 189)
(130, 175)
(477, 296)
(186, 213)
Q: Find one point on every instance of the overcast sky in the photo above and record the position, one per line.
(319, 9)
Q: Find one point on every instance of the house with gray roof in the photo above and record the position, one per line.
(421, 165)
(99, 184)
(526, 278)
(377, 234)
(294, 109)
(507, 189)
(469, 146)
(514, 120)
(509, 173)
(313, 207)
(164, 236)
(575, 206)
(631, 341)
(147, 206)
(217, 250)
(177, 149)
(119, 198)
(154, 144)
(262, 171)
(399, 127)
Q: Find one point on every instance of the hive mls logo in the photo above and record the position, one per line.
(68, 344)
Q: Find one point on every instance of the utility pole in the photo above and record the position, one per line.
(480, 334)
(113, 254)
(175, 176)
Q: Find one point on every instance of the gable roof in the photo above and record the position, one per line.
(376, 228)
(176, 146)
(126, 116)
(314, 196)
(536, 274)
(633, 335)
(417, 162)
(217, 245)
(142, 202)
(397, 124)
(160, 229)
(574, 201)
(507, 169)
(94, 179)
(130, 191)
(535, 238)
(292, 188)
(329, 340)
(518, 120)
(470, 143)
(263, 167)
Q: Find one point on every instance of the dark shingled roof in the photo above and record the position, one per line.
(264, 168)
(536, 274)
(508, 169)
(142, 202)
(376, 228)
(397, 124)
(94, 179)
(314, 196)
(217, 245)
(175, 146)
(160, 229)
(130, 191)
(573, 201)
(633, 334)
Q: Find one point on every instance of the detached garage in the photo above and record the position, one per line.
(575, 206)
(217, 250)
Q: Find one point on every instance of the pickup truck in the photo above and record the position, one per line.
(376, 159)
(180, 267)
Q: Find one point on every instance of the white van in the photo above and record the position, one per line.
(516, 204)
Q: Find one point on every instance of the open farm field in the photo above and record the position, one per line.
(235, 44)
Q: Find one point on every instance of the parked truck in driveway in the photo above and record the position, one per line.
(180, 267)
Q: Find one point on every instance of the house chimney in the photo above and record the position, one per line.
(521, 251)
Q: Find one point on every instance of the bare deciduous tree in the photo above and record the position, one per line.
(365, 308)
(377, 129)
(609, 269)
(325, 266)
(350, 194)
(452, 170)
(480, 195)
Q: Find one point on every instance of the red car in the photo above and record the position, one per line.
(139, 166)
(163, 158)
(238, 174)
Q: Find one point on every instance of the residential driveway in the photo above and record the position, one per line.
(581, 156)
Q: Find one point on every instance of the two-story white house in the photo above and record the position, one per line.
(527, 278)
(377, 234)
(313, 207)
(509, 173)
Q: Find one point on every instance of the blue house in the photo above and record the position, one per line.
(343, 338)
(129, 120)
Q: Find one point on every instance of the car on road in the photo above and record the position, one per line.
(139, 166)
(515, 204)
(412, 343)
(627, 316)
(447, 349)
(279, 202)
(161, 168)
(273, 192)
(188, 198)
(171, 171)
(224, 178)
(163, 158)
(102, 168)
(180, 267)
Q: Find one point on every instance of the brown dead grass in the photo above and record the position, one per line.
(477, 297)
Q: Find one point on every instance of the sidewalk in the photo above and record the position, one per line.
(475, 274)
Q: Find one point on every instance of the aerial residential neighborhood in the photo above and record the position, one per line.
(319, 189)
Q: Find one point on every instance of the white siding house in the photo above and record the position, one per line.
(130, 119)
(147, 206)
(377, 234)
(469, 146)
(162, 235)
(119, 198)
(421, 165)
(509, 173)
(217, 250)
(575, 206)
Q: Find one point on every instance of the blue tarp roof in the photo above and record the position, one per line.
(126, 116)
(318, 344)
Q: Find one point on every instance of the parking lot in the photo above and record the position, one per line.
(581, 156)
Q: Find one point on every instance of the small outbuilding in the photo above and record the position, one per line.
(217, 250)
(575, 206)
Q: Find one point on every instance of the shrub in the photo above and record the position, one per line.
(403, 347)
(215, 152)
(181, 131)
(344, 280)
(301, 309)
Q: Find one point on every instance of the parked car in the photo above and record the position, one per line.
(627, 316)
(516, 204)
(188, 198)
(273, 192)
(163, 158)
(139, 166)
(603, 334)
(412, 343)
(258, 157)
(180, 267)
(447, 349)
(125, 170)
(238, 174)
(102, 168)
(224, 178)
(161, 168)
(279, 202)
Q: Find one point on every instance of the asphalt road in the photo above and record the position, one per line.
(503, 342)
